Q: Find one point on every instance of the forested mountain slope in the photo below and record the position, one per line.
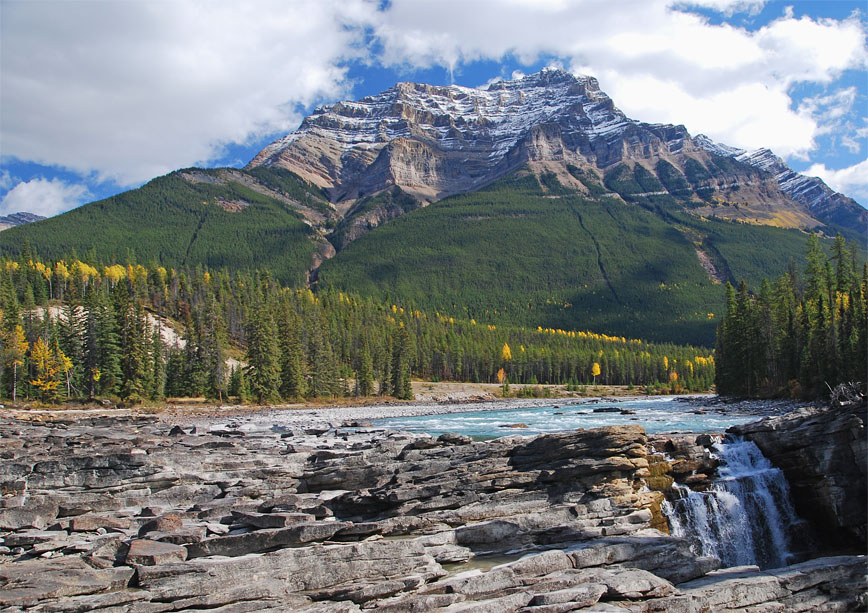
(534, 253)
(213, 218)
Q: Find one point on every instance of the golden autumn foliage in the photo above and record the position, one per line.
(49, 365)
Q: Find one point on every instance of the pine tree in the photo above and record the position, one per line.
(102, 348)
(238, 384)
(292, 356)
(365, 379)
(158, 366)
(134, 354)
(71, 330)
(400, 383)
(322, 368)
(262, 354)
(386, 367)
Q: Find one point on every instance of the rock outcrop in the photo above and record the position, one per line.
(823, 453)
(131, 514)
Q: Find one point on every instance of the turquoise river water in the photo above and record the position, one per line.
(655, 414)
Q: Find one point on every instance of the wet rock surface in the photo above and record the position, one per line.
(824, 454)
(131, 514)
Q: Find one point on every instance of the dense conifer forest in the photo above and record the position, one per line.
(800, 336)
(528, 251)
(81, 328)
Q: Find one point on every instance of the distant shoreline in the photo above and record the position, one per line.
(430, 398)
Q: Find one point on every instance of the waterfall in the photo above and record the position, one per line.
(745, 517)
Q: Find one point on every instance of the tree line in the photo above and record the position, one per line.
(81, 328)
(801, 335)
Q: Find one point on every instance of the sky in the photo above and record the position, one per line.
(100, 96)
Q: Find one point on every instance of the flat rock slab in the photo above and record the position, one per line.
(27, 583)
(38, 517)
(582, 596)
(264, 540)
(92, 523)
(144, 552)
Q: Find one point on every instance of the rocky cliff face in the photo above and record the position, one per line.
(824, 455)
(114, 515)
(432, 142)
(823, 203)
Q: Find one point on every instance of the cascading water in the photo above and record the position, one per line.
(745, 517)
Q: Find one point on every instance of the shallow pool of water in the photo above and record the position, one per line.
(655, 414)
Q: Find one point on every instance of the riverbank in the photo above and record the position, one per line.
(429, 398)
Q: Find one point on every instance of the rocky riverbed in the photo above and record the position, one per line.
(134, 513)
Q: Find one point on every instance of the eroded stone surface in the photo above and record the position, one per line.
(126, 514)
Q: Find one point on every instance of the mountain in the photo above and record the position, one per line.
(434, 141)
(833, 209)
(534, 202)
(18, 219)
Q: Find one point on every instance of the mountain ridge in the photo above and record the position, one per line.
(436, 141)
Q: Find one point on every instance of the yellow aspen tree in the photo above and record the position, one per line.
(49, 365)
(46, 371)
(503, 380)
(506, 353)
(14, 351)
(595, 371)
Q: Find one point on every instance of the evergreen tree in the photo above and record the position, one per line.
(238, 384)
(158, 366)
(102, 348)
(365, 379)
(135, 360)
(796, 341)
(322, 367)
(292, 356)
(400, 383)
(71, 331)
(386, 368)
(262, 355)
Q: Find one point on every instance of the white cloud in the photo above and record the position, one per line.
(658, 63)
(851, 144)
(132, 90)
(727, 7)
(852, 181)
(43, 197)
(831, 108)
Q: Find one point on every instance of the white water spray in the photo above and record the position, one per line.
(745, 517)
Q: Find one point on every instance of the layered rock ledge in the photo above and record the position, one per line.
(131, 514)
